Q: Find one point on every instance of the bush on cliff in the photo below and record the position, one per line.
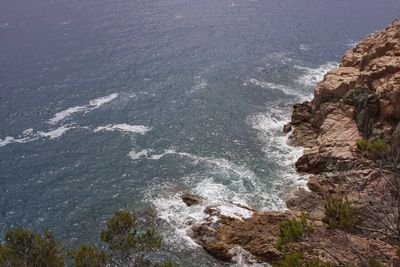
(362, 144)
(292, 230)
(377, 147)
(295, 258)
(339, 214)
(86, 255)
(26, 248)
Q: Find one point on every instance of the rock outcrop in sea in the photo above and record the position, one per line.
(358, 100)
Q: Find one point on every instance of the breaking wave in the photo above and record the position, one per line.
(140, 129)
(29, 135)
(311, 76)
(93, 104)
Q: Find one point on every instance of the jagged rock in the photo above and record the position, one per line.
(257, 234)
(307, 201)
(335, 85)
(213, 211)
(302, 113)
(287, 127)
(190, 199)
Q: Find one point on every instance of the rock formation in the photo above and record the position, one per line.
(359, 99)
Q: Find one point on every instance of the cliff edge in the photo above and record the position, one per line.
(350, 132)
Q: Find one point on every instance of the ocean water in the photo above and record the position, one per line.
(122, 104)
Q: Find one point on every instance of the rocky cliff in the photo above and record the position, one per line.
(359, 100)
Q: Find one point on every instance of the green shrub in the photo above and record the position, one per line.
(339, 214)
(291, 259)
(362, 144)
(126, 241)
(292, 230)
(375, 263)
(129, 243)
(88, 256)
(376, 147)
(26, 248)
(296, 259)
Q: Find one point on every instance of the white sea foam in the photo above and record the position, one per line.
(177, 214)
(140, 129)
(56, 133)
(60, 116)
(281, 57)
(11, 140)
(28, 132)
(159, 156)
(280, 87)
(223, 185)
(98, 102)
(243, 258)
(29, 135)
(312, 76)
(93, 104)
(276, 147)
(137, 155)
(241, 173)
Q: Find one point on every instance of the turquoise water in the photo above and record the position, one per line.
(121, 104)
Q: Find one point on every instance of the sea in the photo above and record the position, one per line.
(124, 104)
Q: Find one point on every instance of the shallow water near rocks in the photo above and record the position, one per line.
(108, 105)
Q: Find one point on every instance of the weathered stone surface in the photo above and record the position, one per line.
(257, 235)
(335, 85)
(302, 113)
(190, 199)
(307, 201)
(287, 127)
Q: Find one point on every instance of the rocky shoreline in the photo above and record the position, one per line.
(359, 100)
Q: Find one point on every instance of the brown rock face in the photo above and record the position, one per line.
(359, 99)
(368, 79)
(257, 235)
(190, 199)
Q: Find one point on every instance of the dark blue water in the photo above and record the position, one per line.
(121, 104)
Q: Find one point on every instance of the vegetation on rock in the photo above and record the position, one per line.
(292, 230)
(377, 147)
(295, 258)
(339, 214)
